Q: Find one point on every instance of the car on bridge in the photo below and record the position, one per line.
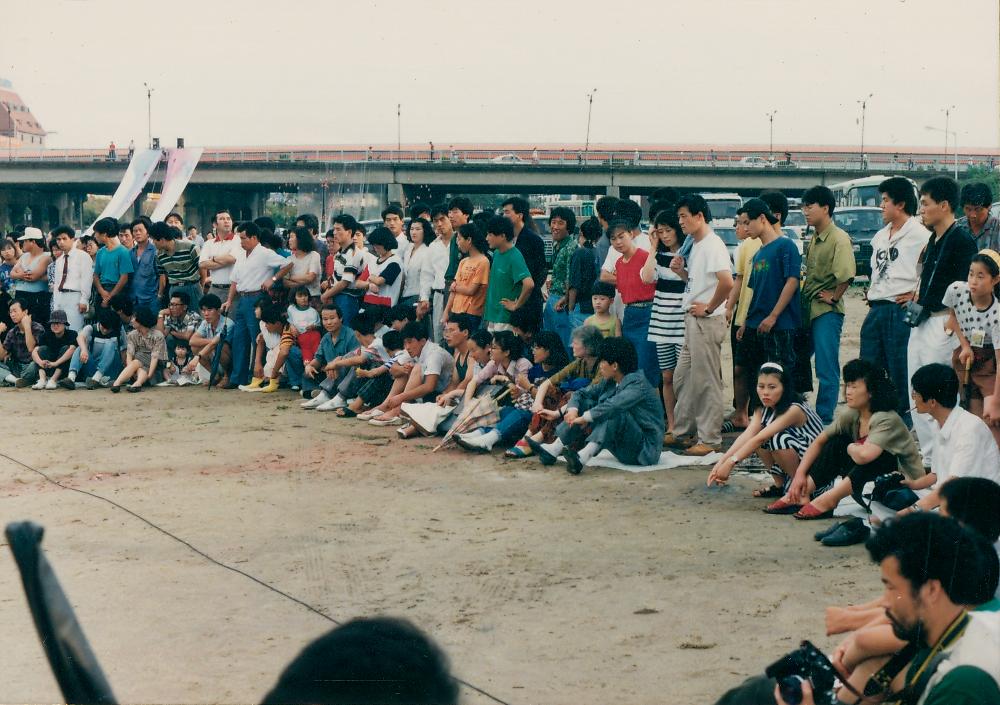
(757, 162)
(509, 158)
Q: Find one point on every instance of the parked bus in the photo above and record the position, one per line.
(863, 192)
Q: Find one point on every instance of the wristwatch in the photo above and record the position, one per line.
(734, 459)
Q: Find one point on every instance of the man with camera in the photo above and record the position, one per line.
(945, 260)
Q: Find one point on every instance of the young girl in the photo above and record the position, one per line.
(468, 291)
(603, 295)
(145, 348)
(780, 432)
(8, 258)
(173, 372)
(305, 322)
(666, 323)
(975, 318)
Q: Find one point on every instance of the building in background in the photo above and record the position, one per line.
(18, 127)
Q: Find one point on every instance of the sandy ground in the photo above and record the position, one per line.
(542, 587)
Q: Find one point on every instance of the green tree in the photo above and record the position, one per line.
(991, 177)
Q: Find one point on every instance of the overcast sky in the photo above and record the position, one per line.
(317, 72)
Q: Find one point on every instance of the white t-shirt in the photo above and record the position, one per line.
(302, 319)
(259, 266)
(980, 327)
(894, 260)
(217, 248)
(271, 340)
(965, 448)
(308, 262)
(435, 360)
(706, 259)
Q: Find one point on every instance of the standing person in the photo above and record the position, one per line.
(531, 247)
(511, 282)
(220, 254)
(637, 296)
(467, 294)
(145, 280)
(555, 317)
(125, 236)
(307, 267)
(176, 263)
(384, 273)
(605, 209)
(698, 379)
(829, 271)
(418, 271)
(892, 284)
(976, 199)
(74, 278)
(666, 322)
(258, 272)
(113, 263)
(459, 213)
(392, 219)
(773, 316)
(583, 272)
(30, 275)
(348, 264)
(736, 315)
(8, 260)
(440, 256)
(945, 260)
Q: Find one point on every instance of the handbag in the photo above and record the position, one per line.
(890, 492)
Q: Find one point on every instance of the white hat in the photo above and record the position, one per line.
(31, 234)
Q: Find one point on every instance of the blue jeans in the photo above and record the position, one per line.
(245, 331)
(556, 321)
(348, 307)
(635, 329)
(513, 424)
(884, 339)
(826, 347)
(103, 358)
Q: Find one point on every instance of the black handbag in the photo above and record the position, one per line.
(890, 492)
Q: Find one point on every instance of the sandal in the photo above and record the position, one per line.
(810, 512)
(782, 507)
(345, 413)
(769, 492)
(519, 450)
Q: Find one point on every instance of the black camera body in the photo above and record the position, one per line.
(805, 663)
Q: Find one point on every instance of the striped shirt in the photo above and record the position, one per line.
(800, 437)
(666, 320)
(181, 267)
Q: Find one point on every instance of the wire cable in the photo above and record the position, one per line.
(212, 560)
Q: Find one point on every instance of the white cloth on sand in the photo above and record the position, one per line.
(668, 460)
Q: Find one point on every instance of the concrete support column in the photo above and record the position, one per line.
(396, 194)
(612, 191)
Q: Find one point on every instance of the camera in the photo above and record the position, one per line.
(805, 663)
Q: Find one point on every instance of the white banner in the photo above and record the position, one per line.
(140, 169)
(180, 167)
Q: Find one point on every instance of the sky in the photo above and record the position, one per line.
(250, 72)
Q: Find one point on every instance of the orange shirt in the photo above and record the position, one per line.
(472, 271)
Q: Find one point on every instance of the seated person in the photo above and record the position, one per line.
(373, 377)
(525, 323)
(174, 374)
(866, 439)
(145, 349)
(478, 346)
(622, 413)
(780, 432)
(341, 381)
(425, 376)
(306, 324)
(399, 315)
(328, 361)
(178, 322)
(554, 393)
(20, 340)
(964, 445)
(549, 357)
(274, 343)
(213, 332)
(97, 356)
(52, 356)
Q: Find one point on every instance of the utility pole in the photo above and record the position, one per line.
(590, 107)
(770, 117)
(864, 107)
(149, 113)
(947, 115)
(399, 130)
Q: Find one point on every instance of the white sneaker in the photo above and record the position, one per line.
(10, 379)
(320, 398)
(331, 405)
(52, 384)
(40, 384)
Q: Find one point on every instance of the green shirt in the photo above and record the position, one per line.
(886, 430)
(506, 274)
(964, 685)
(562, 252)
(454, 257)
(829, 263)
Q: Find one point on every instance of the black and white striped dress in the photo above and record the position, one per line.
(666, 320)
(797, 438)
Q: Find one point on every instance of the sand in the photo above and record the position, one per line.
(542, 587)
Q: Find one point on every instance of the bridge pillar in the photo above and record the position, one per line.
(396, 194)
(613, 191)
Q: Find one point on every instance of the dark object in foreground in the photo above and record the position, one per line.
(73, 663)
(805, 663)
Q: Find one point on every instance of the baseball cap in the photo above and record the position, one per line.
(757, 207)
(58, 316)
(31, 234)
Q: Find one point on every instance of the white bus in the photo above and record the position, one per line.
(862, 192)
(723, 207)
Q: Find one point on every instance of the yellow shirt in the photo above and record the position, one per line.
(744, 254)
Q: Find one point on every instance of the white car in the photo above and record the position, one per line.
(755, 161)
(509, 158)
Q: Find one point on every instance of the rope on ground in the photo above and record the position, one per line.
(212, 560)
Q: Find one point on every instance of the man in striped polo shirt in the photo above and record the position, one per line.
(176, 263)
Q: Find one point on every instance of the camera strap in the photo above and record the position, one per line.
(937, 260)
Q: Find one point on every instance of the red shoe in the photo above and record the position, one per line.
(810, 512)
(782, 507)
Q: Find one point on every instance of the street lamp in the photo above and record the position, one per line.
(590, 107)
(864, 107)
(149, 113)
(954, 135)
(770, 119)
(399, 129)
(947, 115)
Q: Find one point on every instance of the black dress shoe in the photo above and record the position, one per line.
(230, 385)
(820, 535)
(543, 455)
(573, 463)
(848, 534)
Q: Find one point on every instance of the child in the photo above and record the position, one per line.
(975, 318)
(145, 348)
(54, 351)
(779, 432)
(173, 372)
(381, 356)
(602, 297)
(510, 283)
(273, 343)
(305, 323)
(468, 291)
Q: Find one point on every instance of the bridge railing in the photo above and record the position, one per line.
(590, 159)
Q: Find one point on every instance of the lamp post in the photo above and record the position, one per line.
(149, 113)
(399, 130)
(770, 119)
(954, 135)
(590, 107)
(947, 115)
(864, 108)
